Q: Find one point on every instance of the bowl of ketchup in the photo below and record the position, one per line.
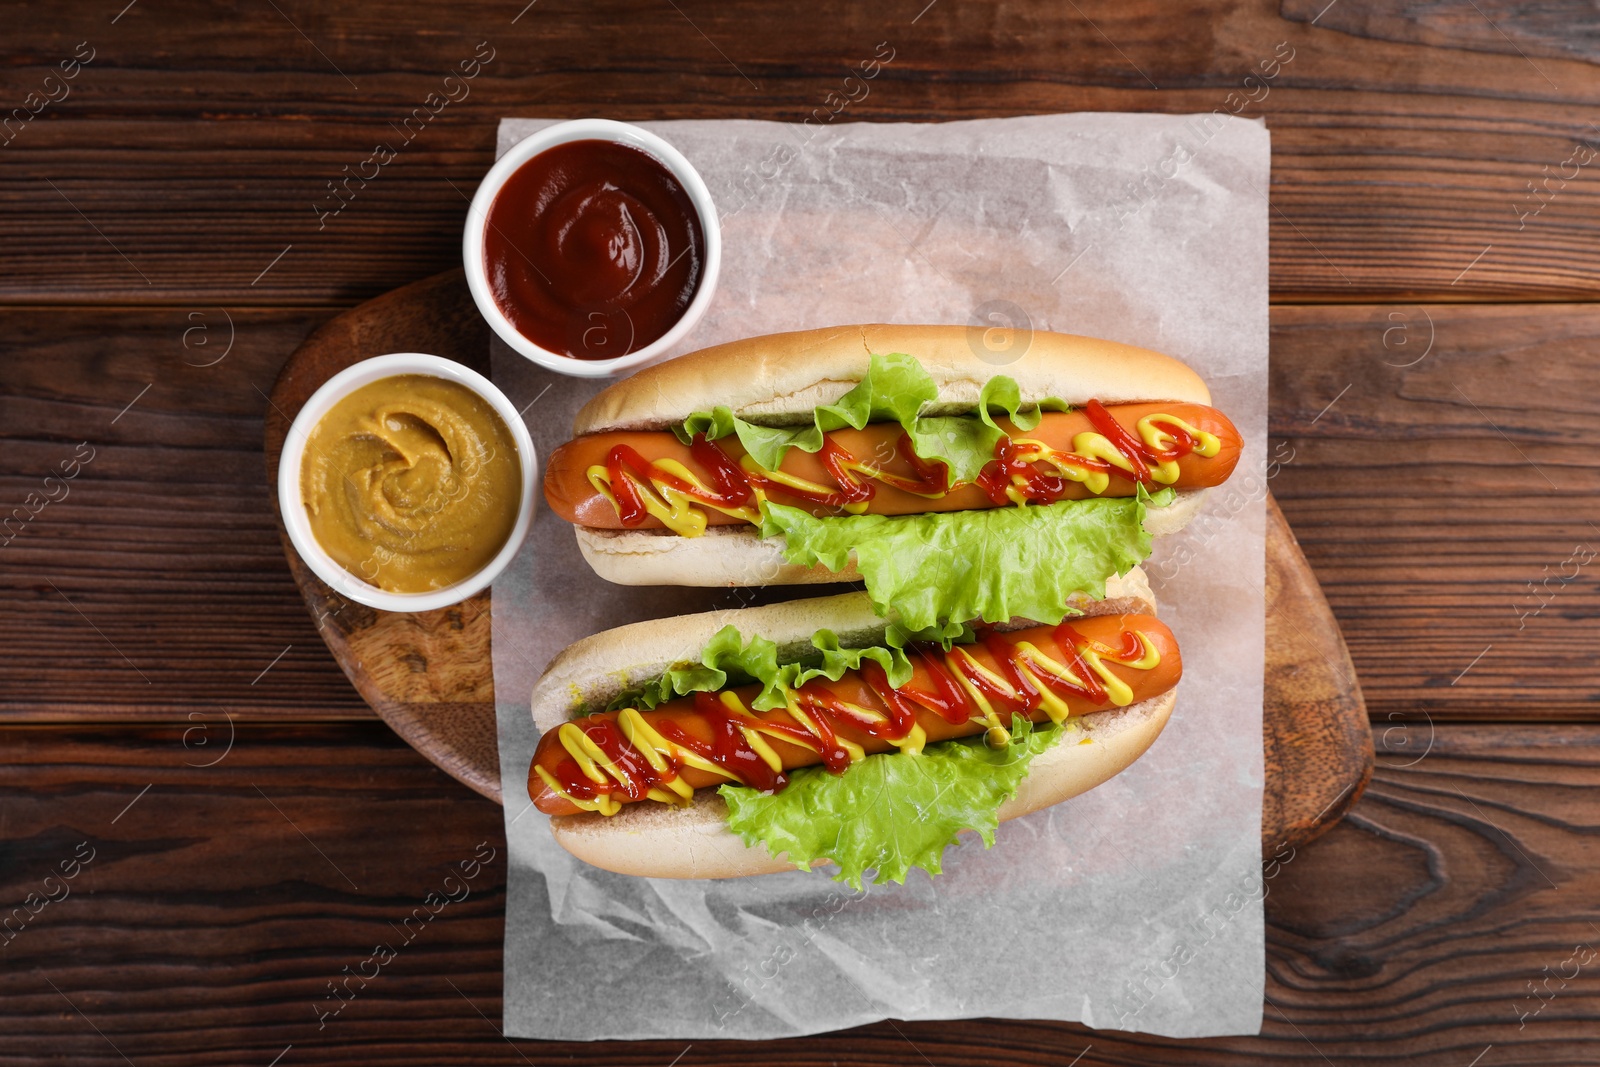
(592, 247)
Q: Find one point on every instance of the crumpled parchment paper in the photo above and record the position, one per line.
(1136, 906)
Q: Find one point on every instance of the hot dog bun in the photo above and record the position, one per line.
(739, 555)
(657, 841)
(782, 378)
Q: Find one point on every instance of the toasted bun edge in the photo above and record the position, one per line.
(781, 378)
(658, 841)
(589, 672)
(740, 556)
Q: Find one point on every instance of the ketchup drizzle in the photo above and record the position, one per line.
(1014, 470)
(729, 748)
(734, 487)
(1133, 450)
(639, 776)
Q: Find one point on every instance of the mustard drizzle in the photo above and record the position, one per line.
(662, 754)
(1079, 465)
(683, 515)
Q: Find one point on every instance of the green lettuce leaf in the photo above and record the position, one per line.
(890, 812)
(994, 564)
(990, 564)
(730, 660)
(895, 388)
(966, 444)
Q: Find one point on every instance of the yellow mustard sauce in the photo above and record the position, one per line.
(411, 483)
(662, 754)
(684, 515)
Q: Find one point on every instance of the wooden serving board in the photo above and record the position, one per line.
(430, 677)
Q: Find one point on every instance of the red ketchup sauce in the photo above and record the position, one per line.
(593, 249)
(731, 752)
(1009, 468)
(734, 487)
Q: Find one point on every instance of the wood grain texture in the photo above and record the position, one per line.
(171, 526)
(430, 675)
(154, 584)
(220, 905)
(1563, 29)
(1318, 747)
(427, 674)
(192, 157)
(1419, 154)
(1438, 466)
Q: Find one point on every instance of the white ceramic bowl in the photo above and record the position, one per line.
(590, 130)
(293, 510)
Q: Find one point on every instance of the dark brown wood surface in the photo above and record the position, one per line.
(1425, 160)
(1425, 511)
(1403, 142)
(220, 904)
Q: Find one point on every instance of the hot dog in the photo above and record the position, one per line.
(634, 788)
(600, 480)
(1046, 673)
(854, 452)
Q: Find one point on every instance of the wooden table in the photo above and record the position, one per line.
(239, 829)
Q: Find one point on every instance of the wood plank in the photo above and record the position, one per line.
(170, 526)
(1405, 147)
(1408, 936)
(1448, 507)
(1505, 27)
(154, 583)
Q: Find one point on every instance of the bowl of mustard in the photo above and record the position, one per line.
(406, 482)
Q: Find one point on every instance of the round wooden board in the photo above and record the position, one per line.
(430, 677)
